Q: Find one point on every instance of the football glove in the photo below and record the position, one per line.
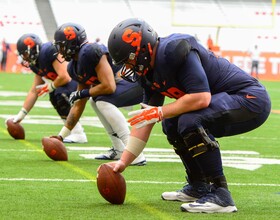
(143, 117)
(77, 95)
(45, 88)
(20, 116)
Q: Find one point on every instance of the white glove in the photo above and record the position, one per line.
(77, 95)
(143, 117)
(20, 116)
(45, 88)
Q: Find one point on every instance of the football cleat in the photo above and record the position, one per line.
(111, 154)
(139, 161)
(189, 193)
(76, 138)
(218, 201)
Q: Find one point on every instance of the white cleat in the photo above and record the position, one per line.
(111, 154)
(219, 201)
(177, 196)
(139, 161)
(76, 138)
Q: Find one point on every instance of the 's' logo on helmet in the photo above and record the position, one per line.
(69, 33)
(29, 42)
(133, 38)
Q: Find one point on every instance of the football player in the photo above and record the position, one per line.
(51, 77)
(213, 99)
(98, 80)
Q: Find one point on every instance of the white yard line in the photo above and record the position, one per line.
(245, 160)
(128, 181)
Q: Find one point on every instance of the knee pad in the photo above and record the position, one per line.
(178, 144)
(198, 142)
(61, 104)
(194, 173)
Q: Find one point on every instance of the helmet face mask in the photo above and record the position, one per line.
(131, 70)
(28, 47)
(64, 50)
(68, 39)
(131, 43)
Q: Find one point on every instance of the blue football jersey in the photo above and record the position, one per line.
(83, 70)
(44, 64)
(198, 70)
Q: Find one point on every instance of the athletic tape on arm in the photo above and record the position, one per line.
(135, 145)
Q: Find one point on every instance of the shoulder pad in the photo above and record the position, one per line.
(176, 51)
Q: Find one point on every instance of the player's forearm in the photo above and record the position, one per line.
(75, 114)
(102, 89)
(30, 100)
(187, 103)
(142, 133)
(61, 81)
(127, 158)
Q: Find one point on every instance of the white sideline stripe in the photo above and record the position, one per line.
(128, 181)
(55, 120)
(12, 93)
(157, 150)
(89, 121)
(38, 104)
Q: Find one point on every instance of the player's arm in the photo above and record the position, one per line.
(152, 114)
(62, 78)
(32, 95)
(187, 103)
(61, 70)
(74, 114)
(105, 77)
(106, 86)
(198, 96)
(193, 78)
(138, 136)
(30, 100)
(136, 143)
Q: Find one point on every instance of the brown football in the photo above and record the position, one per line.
(15, 129)
(54, 149)
(111, 185)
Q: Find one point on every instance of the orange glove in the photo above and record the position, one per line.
(143, 117)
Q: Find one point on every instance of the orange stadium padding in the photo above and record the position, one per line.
(12, 58)
(269, 66)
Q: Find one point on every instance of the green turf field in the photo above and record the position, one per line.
(32, 186)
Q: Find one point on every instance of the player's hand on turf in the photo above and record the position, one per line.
(20, 116)
(145, 116)
(45, 88)
(58, 137)
(77, 95)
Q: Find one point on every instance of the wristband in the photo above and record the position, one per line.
(64, 132)
(21, 115)
(24, 110)
(53, 86)
(135, 145)
(84, 93)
